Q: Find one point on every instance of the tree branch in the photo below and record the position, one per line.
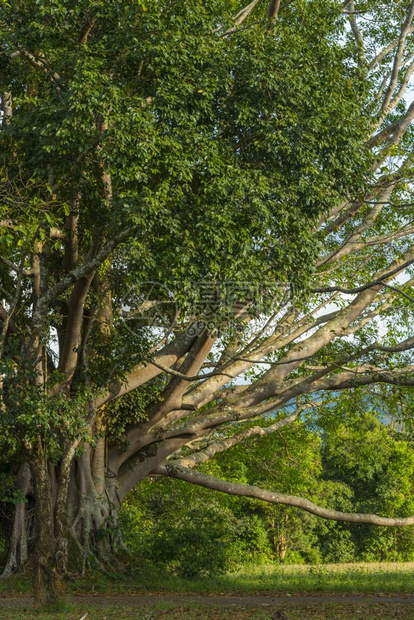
(78, 273)
(244, 13)
(183, 377)
(54, 233)
(354, 26)
(7, 106)
(245, 490)
(398, 58)
(90, 22)
(395, 130)
(39, 63)
(216, 447)
(364, 287)
(144, 371)
(386, 50)
(273, 10)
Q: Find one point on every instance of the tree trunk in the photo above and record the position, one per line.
(51, 542)
(92, 514)
(280, 547)
(282, 550)
(94, 531)
(18, 550)
(74, 516)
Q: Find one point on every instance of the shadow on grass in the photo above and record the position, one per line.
(342, 578)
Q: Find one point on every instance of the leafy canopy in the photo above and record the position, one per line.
(221, 150)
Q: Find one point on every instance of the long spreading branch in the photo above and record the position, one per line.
(245, 490)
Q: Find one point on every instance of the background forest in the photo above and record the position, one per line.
(359, 460)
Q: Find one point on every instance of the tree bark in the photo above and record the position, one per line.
(18, 551)
(51, 552)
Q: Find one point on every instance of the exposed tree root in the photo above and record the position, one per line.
(95, 532)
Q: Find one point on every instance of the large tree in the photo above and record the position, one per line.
(204, 210)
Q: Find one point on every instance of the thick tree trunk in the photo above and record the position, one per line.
(51, 541)
(75, 518)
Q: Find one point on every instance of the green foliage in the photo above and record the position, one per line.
(361, 466)
(377, 463)
(189, 531)
(236, 159)
(132, 408)
(30, 414)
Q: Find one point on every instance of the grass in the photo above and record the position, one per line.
(156, 611)
(368, 578)
(197, 612)
(323, 579)
(340, 578)
(336, 578)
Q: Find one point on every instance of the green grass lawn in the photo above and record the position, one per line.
(396, 577)
(390, 577)
(370, 578)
